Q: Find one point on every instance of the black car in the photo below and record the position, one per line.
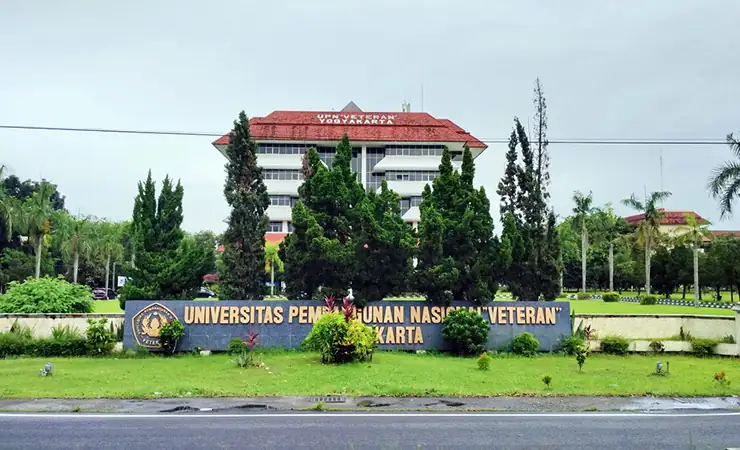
(101, 294)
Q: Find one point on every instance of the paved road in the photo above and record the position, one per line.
(371, 431)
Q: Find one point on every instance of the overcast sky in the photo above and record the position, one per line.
(628, 69)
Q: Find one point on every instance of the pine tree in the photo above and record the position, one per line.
(532, 254)
(156, 238)
(384, 246)
(320, 251)
(244, 239)
(457, 216)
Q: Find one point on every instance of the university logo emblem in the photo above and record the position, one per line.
(146, 324)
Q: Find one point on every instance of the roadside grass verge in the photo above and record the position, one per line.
(106, 306)
(390, 374)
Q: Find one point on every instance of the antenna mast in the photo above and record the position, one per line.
(422, 97)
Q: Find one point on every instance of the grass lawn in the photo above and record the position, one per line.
(390, 374)
(106, 306)
(600, 307)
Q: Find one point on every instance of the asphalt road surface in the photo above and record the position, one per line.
(610, 431)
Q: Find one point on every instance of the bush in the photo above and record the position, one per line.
(583, 296)
(13, 344)
(466, 330)
(170, 334)
(340, 339)
(570, 345)
(581, 354)
(65, 341)
(648, 300)
(615, 345)
(703, 347)
(525, 345)
(610, 297)
(46, 295)
(236, 346)
(100, 340)
(484, 361)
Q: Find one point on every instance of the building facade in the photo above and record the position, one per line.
(402, 148)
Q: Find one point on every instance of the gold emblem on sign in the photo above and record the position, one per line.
(147, 323)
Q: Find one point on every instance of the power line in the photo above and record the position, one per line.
(594, 141)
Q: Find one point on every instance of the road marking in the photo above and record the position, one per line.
(310, 415)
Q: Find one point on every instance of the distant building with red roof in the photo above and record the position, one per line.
(403, 148)
(675, 223)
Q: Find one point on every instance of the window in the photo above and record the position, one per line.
(417, 175)
(373, 157)
(414, 150)
(291, 228)
(282, 149)
(415, 201)
(278, 174)
(281, 200)
(404, 205)
(275, 227)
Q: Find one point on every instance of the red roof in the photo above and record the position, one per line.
(669, 218)
(317, 126)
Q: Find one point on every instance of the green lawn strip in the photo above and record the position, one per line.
(390, 374)
(600, 307)
(106, 306)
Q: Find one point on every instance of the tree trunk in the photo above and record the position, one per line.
(39, 246)
(732, 294)
(107, 274)
(647, 267)
(584, 245)
(133, 258)
(75, 267)
(272, 278)
(696, 275)
(611, 267)
(113, 279)
(683, 294)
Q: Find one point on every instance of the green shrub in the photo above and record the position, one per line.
(170, 334)
(615, 345)
(46, 295)
(100, 340)
(648, 300)
(340, 340)
(583, 296)
(466, 330)
(610, 297)
(581, 354)
(703, 347)
(13, 344)
(525, 345)
(66, 346)
(236, 346)
(570, 345)
(728, 339)
(484, 361)
(62, 332)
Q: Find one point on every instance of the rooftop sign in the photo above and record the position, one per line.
(356, 119)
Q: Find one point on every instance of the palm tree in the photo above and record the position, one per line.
(582, 211)
(35, 222)
(10, 207)
(695, 234)
(648, 231)
(110, 246)
(74, 237)
(272, 262)
(724, 183)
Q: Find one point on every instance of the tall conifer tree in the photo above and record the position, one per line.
(244, 239)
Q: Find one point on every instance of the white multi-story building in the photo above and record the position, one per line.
(403, 148)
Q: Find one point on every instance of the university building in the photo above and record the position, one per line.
(404, 148)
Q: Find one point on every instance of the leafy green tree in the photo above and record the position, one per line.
(648, 231)
(669, 268)
(724, 183)
(436, 274)
(108, 243)
(243, 257)
(384, 247)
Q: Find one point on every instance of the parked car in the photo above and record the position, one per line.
(101, 294)
(204, 292)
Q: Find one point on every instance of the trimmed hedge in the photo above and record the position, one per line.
(583, 296)
(615, 345)
(610, 297)
(648, 300)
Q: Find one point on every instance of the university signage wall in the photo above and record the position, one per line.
(400, 325)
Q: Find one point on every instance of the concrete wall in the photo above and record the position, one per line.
(41, 324)
(642, 326)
